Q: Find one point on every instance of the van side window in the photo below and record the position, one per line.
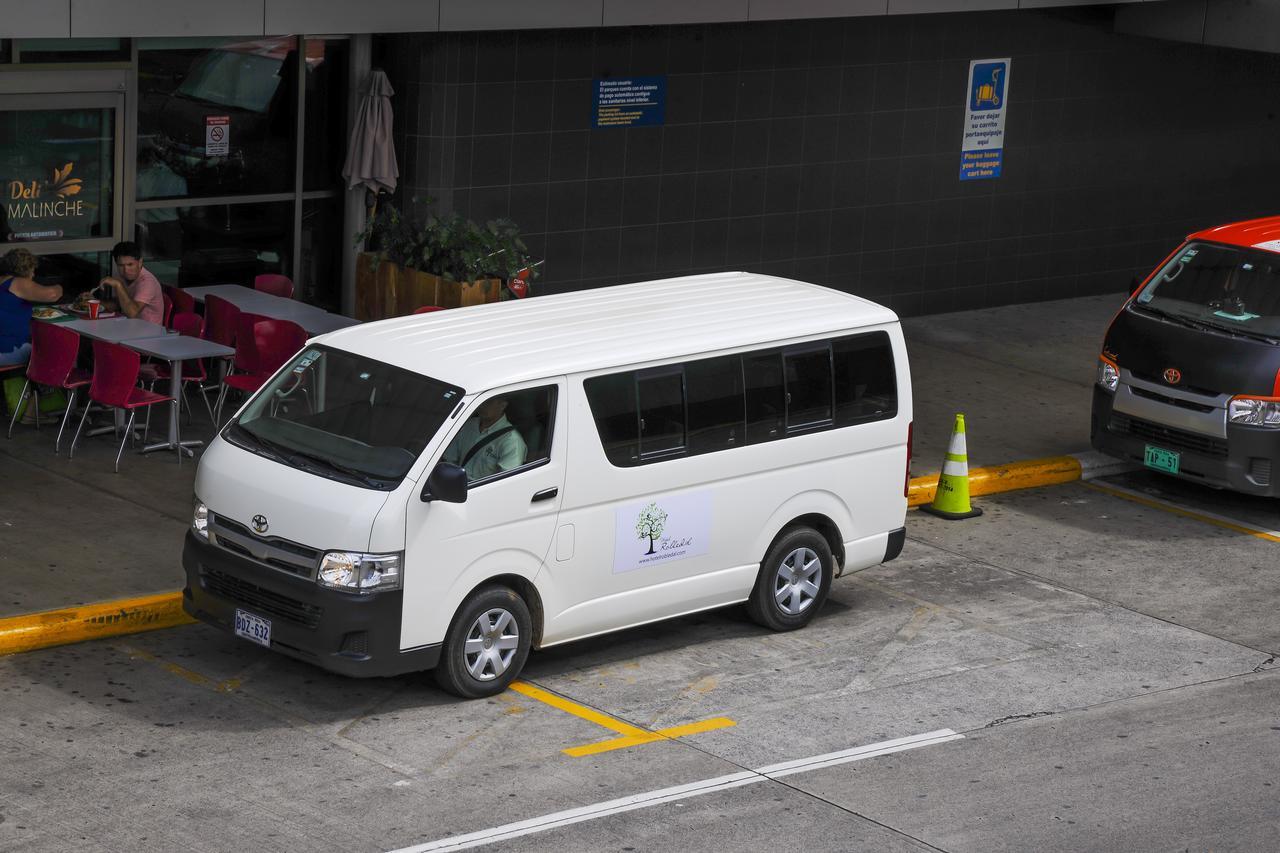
(809, 391)
(505, 432)
(765, 398)
(613, 405)
(717, 413)
(660, 395)
(713, 404)
(866, 386)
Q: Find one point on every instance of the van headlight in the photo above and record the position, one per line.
(350, 571)
(200, 519)
(1255, 411)
(1108, 373)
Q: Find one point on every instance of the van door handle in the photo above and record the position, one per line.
(545, 494)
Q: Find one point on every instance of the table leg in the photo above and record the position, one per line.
(175, 394)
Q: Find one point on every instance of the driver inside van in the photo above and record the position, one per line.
(487, 444)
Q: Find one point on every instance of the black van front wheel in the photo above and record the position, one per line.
(487, 644)
(794, 580)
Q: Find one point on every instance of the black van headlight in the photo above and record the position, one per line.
(351, 571)
(1108, 373)
(1254, 411)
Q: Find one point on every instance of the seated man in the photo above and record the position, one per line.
(136, 293)
(487, 443)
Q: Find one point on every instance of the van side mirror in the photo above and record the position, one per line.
(447, 483)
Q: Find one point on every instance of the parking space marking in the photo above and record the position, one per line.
(597, 811)
(630, 735)
(227, 686)
(1178, 509)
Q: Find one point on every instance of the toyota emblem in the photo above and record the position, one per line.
(260, 521)
(1173, 375)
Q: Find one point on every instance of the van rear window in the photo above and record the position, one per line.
(712, 404)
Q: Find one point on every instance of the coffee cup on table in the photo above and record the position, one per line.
(95, 305)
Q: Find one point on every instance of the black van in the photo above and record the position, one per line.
(1188, 380)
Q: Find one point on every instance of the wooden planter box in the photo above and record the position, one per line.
(393, 291)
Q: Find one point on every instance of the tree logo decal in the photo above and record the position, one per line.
(650, 524)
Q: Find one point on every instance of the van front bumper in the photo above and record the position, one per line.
(356, 635)
(1246, 461)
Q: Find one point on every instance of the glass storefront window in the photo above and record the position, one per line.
(217, 243)
(217, 119)
(324, 142)
(57, 173)
(76, 272)
(32, 51)
(319, 278)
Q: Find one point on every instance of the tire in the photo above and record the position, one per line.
(795, 577)
(473, 665)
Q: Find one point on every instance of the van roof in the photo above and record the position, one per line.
(501, 343)
(1252, 233)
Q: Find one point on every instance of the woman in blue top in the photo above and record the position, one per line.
(17, 292)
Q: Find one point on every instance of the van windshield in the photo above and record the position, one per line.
(345, 417)
(1218, 287)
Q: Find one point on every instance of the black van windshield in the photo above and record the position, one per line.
(1219, 287)
(345, 417)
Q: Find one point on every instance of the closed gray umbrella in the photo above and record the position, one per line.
(371, 155)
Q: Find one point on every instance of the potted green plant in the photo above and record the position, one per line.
(445, 260)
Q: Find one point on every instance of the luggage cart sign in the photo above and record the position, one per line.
(630, 102)
(986, 104)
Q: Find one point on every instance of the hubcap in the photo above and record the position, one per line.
(491, 643)
(795, 586)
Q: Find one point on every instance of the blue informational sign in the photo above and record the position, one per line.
(986, 105)
(630, 102)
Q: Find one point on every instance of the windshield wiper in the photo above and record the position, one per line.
(256, 443)
(1236, 331)
(320, 463)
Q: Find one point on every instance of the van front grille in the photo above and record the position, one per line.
(1170, 401)
(291, 557)
(1159, 380)
(260, 600)
(1167, 436)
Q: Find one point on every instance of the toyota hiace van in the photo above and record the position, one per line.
(450, 490)
(1188, 380)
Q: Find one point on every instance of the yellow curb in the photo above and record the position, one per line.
(91, 622)
(1003, 478)
(149, 613)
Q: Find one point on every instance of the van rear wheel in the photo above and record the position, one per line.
(487, 644)
(794, 580)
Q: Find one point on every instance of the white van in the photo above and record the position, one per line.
(451, 490)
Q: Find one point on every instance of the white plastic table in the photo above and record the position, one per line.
(116, 330)
(315, 321)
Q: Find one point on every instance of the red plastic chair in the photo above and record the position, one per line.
(220, 320)
(427, 309)
(275, 342)
(275, 284)
(53, 362)
(183, 302)
(192, 325)
(168, 309)
(114, 384)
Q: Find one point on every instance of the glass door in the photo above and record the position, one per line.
(61, 179)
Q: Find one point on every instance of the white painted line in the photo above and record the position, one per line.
(596, 811)
(831, 759)
(1190, 511)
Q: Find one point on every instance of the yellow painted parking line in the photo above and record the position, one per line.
(995, 479)
(650, 737)
(631, 735)
(182, 672)
(1177, 509)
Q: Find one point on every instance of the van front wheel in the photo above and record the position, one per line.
(487, 644)
(794, 580)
